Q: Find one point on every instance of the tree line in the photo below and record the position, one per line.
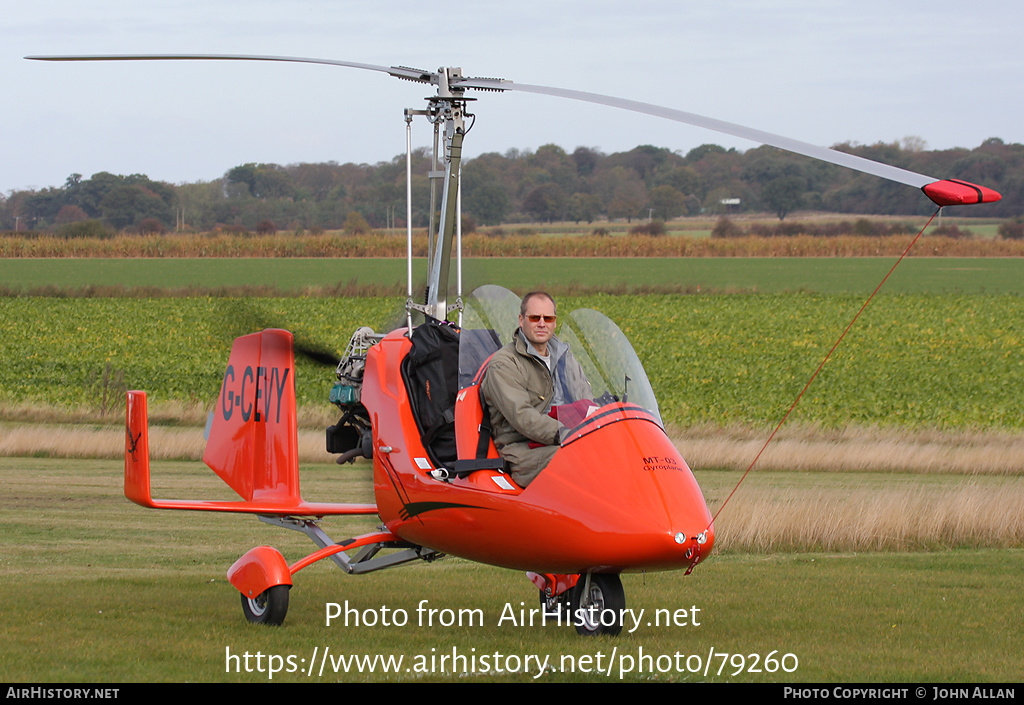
(545, 185)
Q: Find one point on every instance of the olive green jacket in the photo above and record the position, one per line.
(518, 389)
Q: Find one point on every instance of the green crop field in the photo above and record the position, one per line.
(828, 275)
(918, 361)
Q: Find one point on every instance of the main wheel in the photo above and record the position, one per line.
(269, 607)
(598, 609)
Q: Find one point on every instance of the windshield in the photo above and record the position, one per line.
(608, 359)
(491, 317)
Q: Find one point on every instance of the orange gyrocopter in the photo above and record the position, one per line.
(617, 495)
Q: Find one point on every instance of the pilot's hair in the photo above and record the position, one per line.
(526, 300)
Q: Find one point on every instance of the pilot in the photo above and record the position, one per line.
(524, 379)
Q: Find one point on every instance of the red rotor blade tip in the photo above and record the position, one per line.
(953, 192)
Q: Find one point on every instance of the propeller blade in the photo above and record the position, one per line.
(243, 316)
(319, 355)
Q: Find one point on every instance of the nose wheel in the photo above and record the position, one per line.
(597, 603)
(269, 607)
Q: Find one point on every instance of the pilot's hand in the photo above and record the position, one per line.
(563, 433)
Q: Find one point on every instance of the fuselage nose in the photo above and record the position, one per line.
(619, 495)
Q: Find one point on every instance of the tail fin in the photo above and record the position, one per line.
(253, 443)
(253, 440)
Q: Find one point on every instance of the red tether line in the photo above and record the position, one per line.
(798, 396)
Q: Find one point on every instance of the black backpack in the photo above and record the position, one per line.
(431, 372)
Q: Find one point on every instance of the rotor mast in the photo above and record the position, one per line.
(447, 111)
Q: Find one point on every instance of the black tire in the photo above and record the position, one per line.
(601, 605)
(552, 607)
(269, 607)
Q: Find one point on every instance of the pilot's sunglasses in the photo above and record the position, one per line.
(535, 318)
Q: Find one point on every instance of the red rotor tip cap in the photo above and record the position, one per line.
(953, 192)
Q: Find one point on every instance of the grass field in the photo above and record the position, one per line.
(827, 275)
(99, 590)
(880, 540)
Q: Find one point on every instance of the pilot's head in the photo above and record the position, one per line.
(537, 316)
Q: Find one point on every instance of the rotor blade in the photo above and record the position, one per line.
(406, 73)
(942, 192)
(829, 155)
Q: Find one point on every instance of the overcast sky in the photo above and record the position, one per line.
(823, 71)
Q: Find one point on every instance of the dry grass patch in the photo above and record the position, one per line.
(165, 442)
(903, 518)
(853, 490)
(176, 434)
(855, 450)
(161, 413)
